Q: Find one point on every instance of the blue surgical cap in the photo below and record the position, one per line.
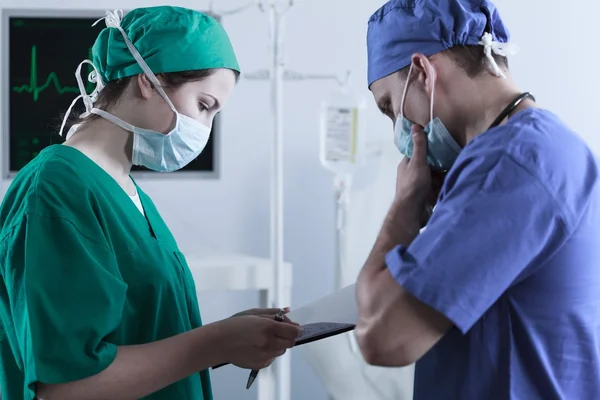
(402, 28)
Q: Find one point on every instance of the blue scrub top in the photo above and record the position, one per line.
(511, 256)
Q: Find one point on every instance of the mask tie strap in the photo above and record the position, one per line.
(490, 47)
(113, 20)
(114, 119)
(405, 91)
(433, 79)
(88, 99)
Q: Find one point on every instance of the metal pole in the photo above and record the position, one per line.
(277, 243)
(337, 279)
(277, 75)
(342, 184)
(339, 237)
(277, 159)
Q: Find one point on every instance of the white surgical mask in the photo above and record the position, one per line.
(154, 150)
(442, 149)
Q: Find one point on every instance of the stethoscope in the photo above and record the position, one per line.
(511, 107)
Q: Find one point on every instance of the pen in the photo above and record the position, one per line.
(254, 372)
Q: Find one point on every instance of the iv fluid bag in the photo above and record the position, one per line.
(342, 131)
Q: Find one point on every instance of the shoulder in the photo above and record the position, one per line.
(51, 185)
(57, 176)
(537, 147)
(543, 143)
(535, 138)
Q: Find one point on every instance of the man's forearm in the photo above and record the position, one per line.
(393, 327)
(140, 370)
(401, 226)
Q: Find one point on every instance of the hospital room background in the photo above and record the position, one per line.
(222, 222)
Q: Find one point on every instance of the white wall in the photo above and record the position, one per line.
(557, 64)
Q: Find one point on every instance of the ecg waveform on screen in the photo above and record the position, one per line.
(42, 56)
(34, 88)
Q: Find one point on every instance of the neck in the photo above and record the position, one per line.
(109, 146)
(488, 97)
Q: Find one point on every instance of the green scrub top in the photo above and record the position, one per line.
(83, 271)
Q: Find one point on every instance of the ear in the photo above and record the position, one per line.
(146, 87)
(424, 71)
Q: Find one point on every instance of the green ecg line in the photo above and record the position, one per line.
(51, 81)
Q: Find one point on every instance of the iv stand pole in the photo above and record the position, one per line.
(277, 74)
(282, 367)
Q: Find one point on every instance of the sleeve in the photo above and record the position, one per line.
(493, 225)
(67, 296)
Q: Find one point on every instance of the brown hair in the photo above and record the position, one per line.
(112, 92)
(471, 59)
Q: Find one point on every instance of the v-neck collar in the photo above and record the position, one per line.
(144, 220)
(149, 214)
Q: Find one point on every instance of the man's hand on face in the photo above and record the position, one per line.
(417, 187)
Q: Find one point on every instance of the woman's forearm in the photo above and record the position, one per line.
(140, 370)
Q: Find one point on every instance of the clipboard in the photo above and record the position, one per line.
(316, 331)
(322, 330)
(329, 316)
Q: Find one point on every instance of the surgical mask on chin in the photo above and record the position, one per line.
(442, 149)
(154, 150)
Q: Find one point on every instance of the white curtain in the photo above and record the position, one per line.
(336, 360)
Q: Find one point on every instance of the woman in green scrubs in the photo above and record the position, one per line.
(97, 301)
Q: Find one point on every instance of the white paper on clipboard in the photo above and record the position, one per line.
(331, 315)
(328, 316)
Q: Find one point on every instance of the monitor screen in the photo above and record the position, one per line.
(43, 54)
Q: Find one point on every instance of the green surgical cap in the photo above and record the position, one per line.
(169, 39)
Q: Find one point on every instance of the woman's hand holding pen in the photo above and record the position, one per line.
(254, 341)
(267, 313)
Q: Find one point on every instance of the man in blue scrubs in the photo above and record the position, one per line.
(499, 297)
